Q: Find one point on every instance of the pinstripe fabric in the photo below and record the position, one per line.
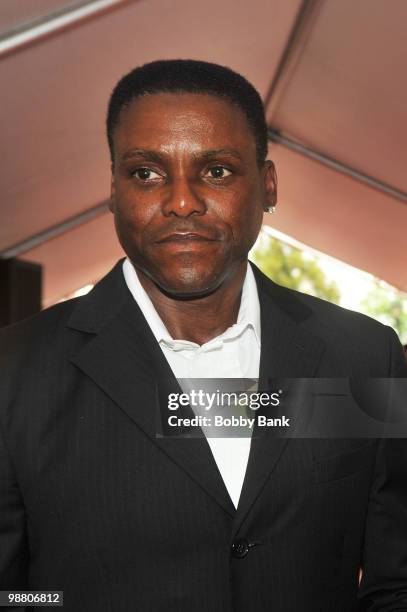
(92, 503)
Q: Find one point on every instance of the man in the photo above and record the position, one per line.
(92, 501)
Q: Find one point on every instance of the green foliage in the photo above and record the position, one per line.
(291, 267)
(389, 307)
(296, 269)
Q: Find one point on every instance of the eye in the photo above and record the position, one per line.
(145, 175)
(218, 172)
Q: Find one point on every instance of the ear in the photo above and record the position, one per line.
(112, 191)
(270, 184)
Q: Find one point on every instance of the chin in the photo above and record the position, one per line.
(189, 283)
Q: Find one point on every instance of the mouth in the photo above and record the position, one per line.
(185, 237)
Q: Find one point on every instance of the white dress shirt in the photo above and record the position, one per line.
(233, 354)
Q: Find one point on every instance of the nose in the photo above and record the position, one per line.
(182, 200)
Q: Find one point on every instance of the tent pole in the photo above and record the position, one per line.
(54, 231)
(30, 32)
(297, 39)
(276, 137)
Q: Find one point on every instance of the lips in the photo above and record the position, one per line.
(185, 236)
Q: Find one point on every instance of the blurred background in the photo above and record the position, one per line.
(332, 77)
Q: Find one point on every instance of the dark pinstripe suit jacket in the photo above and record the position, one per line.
(92, 503)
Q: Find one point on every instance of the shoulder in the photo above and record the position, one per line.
(36, 334)
(313, 311)
(49, 318)
(348, 335)
(47, 331)
(352, 333)
(328, 316)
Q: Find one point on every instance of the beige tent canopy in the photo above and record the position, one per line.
(331, 72)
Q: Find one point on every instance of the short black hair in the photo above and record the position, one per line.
(190, 76)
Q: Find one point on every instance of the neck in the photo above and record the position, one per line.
(198, 319)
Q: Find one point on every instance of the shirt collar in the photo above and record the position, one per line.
(249, 311)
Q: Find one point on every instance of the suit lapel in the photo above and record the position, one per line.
(123, 358)
(288, 350)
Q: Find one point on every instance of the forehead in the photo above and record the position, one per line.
(183, 120)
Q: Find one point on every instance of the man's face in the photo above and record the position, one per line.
(187, 192)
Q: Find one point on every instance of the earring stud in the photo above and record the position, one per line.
(270, 209)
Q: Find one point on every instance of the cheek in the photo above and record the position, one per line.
(133, 214)
(248, 200)
(246, 220)
(130, 226)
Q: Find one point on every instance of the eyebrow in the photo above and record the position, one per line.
(144, 153)
(211, 153)
(159, 157)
